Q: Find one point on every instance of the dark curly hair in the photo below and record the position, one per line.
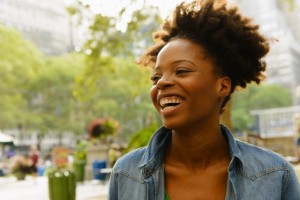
(230, 39)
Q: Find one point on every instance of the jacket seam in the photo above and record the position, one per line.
(130, 177)
(262, 173)
(286, 179)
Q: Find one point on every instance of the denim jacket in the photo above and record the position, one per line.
(253, 173)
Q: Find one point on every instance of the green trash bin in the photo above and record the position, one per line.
(79, 170)
(62, 185)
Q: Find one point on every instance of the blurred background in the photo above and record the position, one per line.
(69, 82)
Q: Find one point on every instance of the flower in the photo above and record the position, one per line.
(102, 127)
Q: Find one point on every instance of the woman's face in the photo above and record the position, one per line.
(186, 91)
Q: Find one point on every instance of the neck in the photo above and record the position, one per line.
(198, 149)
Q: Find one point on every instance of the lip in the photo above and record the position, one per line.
(169, 111)
(160, 96)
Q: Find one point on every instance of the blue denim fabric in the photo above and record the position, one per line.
(253, 173)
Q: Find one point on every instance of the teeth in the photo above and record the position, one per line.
(169, 100)
(168, 108)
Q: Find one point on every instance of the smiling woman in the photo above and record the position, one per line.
(184, 82)
(202, 54)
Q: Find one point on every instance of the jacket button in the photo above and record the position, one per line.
(146, 172)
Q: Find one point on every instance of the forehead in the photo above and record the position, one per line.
(182, 45)
(181, 50)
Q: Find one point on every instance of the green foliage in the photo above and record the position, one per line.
(80, 151)
(101, 128)
(20, 62)
(254, 98)
(110, 126)
(141, 138)
(36, 91)
(111, 85)
(121, 93)
(52, 105)
(63, 93)
(292, 4)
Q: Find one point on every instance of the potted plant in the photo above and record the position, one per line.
(80, 160)
(100, 128)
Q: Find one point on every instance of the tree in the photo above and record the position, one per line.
(64, 93)
(20, 61)
(122, 94)
(111, 84)
(52, 105)
(254, 98)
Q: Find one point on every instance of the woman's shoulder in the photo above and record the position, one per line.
(257, 160)
(130, 161)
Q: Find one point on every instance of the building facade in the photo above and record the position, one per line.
(279, 20)
(45, 23)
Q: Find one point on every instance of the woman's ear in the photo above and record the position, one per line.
(224, 86)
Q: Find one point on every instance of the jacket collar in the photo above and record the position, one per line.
(154, 154)
(233, 147)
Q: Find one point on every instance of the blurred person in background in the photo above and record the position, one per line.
(34, 156)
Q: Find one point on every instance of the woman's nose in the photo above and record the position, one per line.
(164, 82)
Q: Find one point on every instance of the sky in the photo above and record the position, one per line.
(112, 7)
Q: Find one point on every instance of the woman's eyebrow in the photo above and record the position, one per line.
(156, 68)
(183, 60)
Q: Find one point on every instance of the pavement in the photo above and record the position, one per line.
(37, 189)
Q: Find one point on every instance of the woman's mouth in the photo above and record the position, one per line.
(168, 103)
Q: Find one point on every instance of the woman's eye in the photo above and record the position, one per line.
(181, 71)
(155, 78)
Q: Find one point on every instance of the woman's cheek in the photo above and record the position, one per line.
(153, 95)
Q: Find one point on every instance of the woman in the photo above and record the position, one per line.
(201, 56)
